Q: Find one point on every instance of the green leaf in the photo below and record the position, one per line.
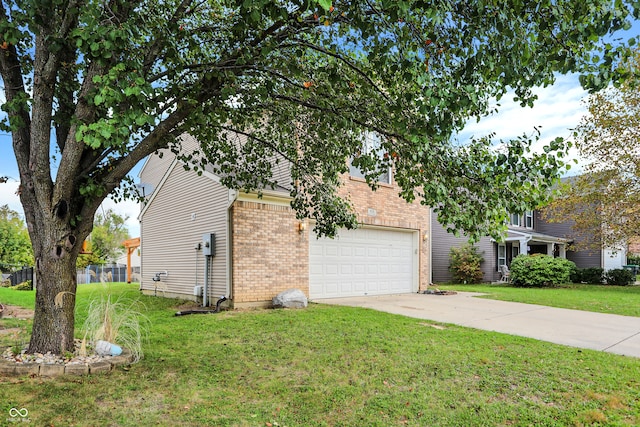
(325, 4)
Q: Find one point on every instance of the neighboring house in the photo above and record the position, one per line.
(527, 234)
(607, 258)
(260, 248)
(523, 237)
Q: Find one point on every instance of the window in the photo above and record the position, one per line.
(372, 144)
(515, 220)
(528, 219)
(502, 255)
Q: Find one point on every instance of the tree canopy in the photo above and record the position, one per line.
(604, 202)
(105, 242)
(15, 246)
(103, 84)
(109, 231)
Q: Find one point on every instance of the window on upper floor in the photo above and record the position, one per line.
(518, 220)
(515, 220)
(528, 219)
(372, 145)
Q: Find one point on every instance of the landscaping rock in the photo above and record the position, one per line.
(77, 369)
(27, 369)
(7, 368)
(99, 367)
(291, 298)
(51, 370)
(124, 359)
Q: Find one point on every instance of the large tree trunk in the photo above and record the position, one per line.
(53, 323)
(56, 245)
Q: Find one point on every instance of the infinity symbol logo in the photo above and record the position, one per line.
(18, 413)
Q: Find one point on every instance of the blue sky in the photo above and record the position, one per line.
(558, 109)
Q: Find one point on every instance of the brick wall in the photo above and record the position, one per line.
(634, 246)
(385, 208)
(269, 254)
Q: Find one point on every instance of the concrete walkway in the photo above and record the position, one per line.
(605, 332)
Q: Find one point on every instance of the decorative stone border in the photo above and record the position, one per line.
(8, 368)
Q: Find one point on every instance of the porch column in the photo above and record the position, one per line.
(523, 246)
(550, 249)
(562, 247)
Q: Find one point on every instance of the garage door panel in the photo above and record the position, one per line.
(361, 262)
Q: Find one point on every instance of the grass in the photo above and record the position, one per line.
(331, 366)
(623, 300)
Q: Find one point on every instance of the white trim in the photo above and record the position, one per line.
(527, 216)
(504, 246)
(146, 162)
(269, 197)
(156, 190)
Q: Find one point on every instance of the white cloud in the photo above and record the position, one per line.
(557, 110)
(9, 197)
(125, 208)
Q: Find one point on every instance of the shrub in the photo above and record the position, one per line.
(540, 270)
(465, 264)
(591, 275)
(619, 277)
(633, 259)
(24, 286)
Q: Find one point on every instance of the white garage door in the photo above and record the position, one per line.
(365, 261)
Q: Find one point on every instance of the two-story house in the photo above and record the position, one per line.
(201, 239)
(527, 234)
(524, 236)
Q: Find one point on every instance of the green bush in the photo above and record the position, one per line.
(592, 275)
(633, 259)
(619, 277)
(540, 270)
(24, 286)
(465, 264)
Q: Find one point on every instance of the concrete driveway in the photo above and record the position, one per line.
(605, 332)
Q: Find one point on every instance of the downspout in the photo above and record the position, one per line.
(233, 196)
(205, 286)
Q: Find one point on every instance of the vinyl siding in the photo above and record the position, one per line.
(280, 166)
(441, 245)
(156, 166)
(583, 258)
(187, 207)
(154, 169)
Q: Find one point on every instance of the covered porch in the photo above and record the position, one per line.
(529, 243)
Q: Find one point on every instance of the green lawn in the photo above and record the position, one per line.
(331, 366)
(624, 300)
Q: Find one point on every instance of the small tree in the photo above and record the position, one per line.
(15, 246)
(109, 231)
(92, 87)
(465, 264)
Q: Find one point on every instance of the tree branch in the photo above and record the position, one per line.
(342, 59)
